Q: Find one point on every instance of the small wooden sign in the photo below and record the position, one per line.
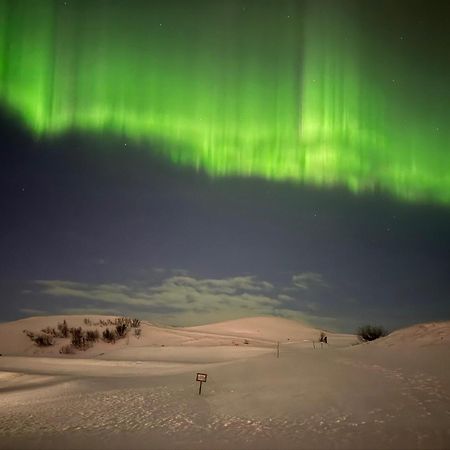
(201, 377)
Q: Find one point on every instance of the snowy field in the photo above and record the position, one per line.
(392, 394)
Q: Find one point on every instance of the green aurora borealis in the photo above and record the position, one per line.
(282, 90)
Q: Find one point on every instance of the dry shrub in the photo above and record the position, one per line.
(121, 330)
(129, 322)
(79, 339)
(63, 329)
(135, 323)
(92, 335)
(40, 339)
(370, 332)
(50, 331)
(109, 336)
(43, 340)
(137, 332)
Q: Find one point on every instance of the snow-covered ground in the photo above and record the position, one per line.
(390, 394)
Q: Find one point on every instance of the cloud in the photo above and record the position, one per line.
(182, 299)
(179, 298)
(33, 312)
(308, 280)
(88, 310)
(286, 298)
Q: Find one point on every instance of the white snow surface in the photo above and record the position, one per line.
(141, 393)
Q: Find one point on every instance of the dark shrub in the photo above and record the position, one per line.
(50, 331)
(370, 332)
(41, 339)
(87, 321)
(79, 340)
(109, 336)
(63, 329)
(121, 330)
(130, 323)
(135, 323)
(92, 335)
(76, 333)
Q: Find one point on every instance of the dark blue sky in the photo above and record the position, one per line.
(89, 224)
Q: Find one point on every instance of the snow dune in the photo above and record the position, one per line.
(141, 393)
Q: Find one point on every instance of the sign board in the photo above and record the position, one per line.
(201, 377)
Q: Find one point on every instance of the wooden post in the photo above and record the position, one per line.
(278, 349)
(314, 345)
(200, 388)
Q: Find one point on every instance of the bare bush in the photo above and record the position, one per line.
(40, 339)
(109, 336)
(129, 322)
(50, 331)
(87, 321)
(370, 332)
(79, 339)
(43, 340)
(137, 332)
(323, 338)
(121, 330)
(92, 335)
(135, 323)
(63, 329)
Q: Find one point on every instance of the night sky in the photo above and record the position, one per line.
(192, 161)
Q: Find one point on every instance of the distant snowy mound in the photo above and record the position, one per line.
(433, 333)
(265, 328)
(17, 338)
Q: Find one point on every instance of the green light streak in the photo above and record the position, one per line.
(279, 90)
